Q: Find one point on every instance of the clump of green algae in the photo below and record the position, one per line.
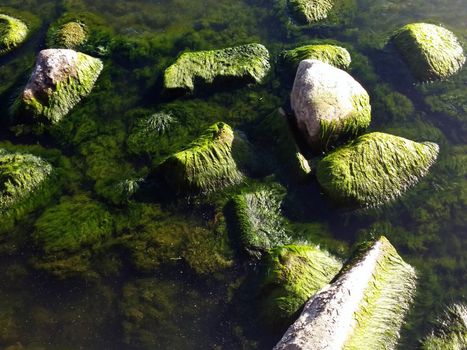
(330, 54)
(70, 35)
(13, 32)
(306, 11)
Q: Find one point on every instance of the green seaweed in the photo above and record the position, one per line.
(375, 168)
(294, 273)
(306, 11)
(13, 32)
(431, 52)
(70, 35)
(330, 54)
(450, 331)
(209, 163)
(250, 62)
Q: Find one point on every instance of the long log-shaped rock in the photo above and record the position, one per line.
(364, 307)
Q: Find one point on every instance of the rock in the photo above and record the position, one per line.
(247, 63)
(258, 220)
(362, 309)
(70, 35)
(431, 52)
(60, 79)
(293, 274)
(329, 105)
(209, 163)
(331, 54)
(375, 168)
(450, 331)
(309, 11)
(25, 183)
(13, 32)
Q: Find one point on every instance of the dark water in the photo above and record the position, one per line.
(170, 276)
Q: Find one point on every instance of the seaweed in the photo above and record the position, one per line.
(13, 32)
(331, 54)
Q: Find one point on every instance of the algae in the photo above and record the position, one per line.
(13, 32)
(70, 35)
(309, 11)
(330, 54)
(375, 168)
(247, 62)
(431, 52)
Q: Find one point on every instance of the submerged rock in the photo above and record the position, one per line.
(70, 35)
(13, 32)
(334, 55)
(375, 168)
(209, 163)
(24, 185)
(60, 79)
(294, 273)
(450, 331)
(362, 309)
(309, 11)
(431, 52)
(247, 62)
(329, 104)
(258, 219)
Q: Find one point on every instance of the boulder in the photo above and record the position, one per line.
(309, 11)
(362, 309)
(24, 185)
(209, 163)
(375, 168)
(293, 274)
(450, 330)
(334, 55)
(13, 32)
(60, 79)
(431, 52)
(246, 63)
(70, 35)
(329, 105)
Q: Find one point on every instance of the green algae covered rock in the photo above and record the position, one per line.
(209, 163)
(70, 35)
(60, 79)
(309, 11)
(450, 331)
(294, 273)
(13, 32)
(247, 62)
(431, 52)
(375, 168)
(329, 105)
(258, 219)
(334, 55)
(25, 183)
(363, 308)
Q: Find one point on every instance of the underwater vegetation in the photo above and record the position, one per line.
(247, 63)
(13, 32)
(375, 168)
(431, 52)
(334, 55)
(61, 78)
(363, 308)
(70, 35)
(305, 11)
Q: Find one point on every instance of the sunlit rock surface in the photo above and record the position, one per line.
(249, 63)
(362, 309)
(60, 79)
(13, 32)
(431, 52)
(375, 168)
(329, 104)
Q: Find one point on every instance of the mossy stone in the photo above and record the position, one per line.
(431, 52)
(334, 55)
(25, 183)
(363, 308)
(258, 219)
(309, 11)
(294, 273)
(60, 79)
(450, 330)
(375, 168)
(13, 32)
(247, 62)
(70, 35)
(209, 163)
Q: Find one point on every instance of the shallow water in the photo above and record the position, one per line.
(188, 286)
